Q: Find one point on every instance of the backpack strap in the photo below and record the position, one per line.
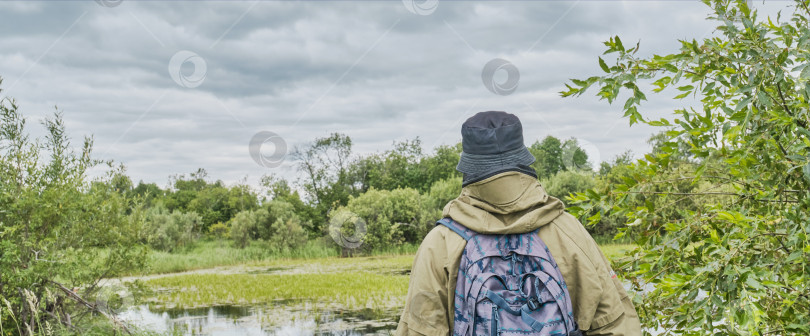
(461, 230)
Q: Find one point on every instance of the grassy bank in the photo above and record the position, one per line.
(353, 283)
(214, 253)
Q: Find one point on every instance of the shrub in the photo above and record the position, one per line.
(282, 228)
(244, 226)
(165, 231)
(219, 230)
(568, 182)
(276, 223)
(391, 218)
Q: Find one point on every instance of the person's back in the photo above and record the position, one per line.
(506, 198)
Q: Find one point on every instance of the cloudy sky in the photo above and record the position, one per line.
(168, 87)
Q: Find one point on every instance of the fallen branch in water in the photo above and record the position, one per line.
(73, 295)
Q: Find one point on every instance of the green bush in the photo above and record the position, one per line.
(244, 226)
(391, 218)
(568, 182)
(282, 228)
(276, 223)
(219, 230)
(53, 221)
(443, 191)
(166, 231)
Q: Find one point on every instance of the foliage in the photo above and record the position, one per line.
(282, 227)
(549, 157)
(276, 223)
(245, 226)
(219, 230)
(166, 231)
(390, 218)
(279, 190)
(53, 222)
(737, 260)
(326, 165)
(568, 182)
(554, 156)
(406, 166)
(441, 192)
(574, 157)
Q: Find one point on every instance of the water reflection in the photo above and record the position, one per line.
(270, 320)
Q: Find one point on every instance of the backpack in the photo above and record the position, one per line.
(509, 285)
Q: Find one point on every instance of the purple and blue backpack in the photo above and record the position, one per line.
(509, 285)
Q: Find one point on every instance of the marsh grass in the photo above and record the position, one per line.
(215, 253)
(350, 290)
(377, 282)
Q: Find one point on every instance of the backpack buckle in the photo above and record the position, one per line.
(533, 303)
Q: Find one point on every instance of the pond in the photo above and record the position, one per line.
(260, 320)
(362, 296)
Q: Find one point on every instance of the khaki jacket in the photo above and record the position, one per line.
(508, 203)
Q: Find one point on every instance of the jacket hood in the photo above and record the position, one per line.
(506, 203)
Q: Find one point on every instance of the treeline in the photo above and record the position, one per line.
(385, 199)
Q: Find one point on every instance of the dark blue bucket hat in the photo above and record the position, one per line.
(492, 143)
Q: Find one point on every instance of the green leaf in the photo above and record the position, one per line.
(753, 282)
(805, 73)
(763, 99)
(682, 95)
(603, 65)
(743, 103)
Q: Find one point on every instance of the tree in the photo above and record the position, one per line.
(738, 262)
(166, 230)
(279, 190)
(381, 218)
(283, 229)
(148, 193)
(574, 157)
(568, 182)
(53, 222)
(406, 166)
(395, 168)
(326, 163)
(549, 156)
(245, 226)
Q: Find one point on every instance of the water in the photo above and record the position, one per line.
(260, 321)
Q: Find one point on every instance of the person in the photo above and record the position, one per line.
(501, 195)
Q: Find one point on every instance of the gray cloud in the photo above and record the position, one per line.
(372, 70)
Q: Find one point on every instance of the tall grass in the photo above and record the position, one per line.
(209, 253)
(213, 253)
